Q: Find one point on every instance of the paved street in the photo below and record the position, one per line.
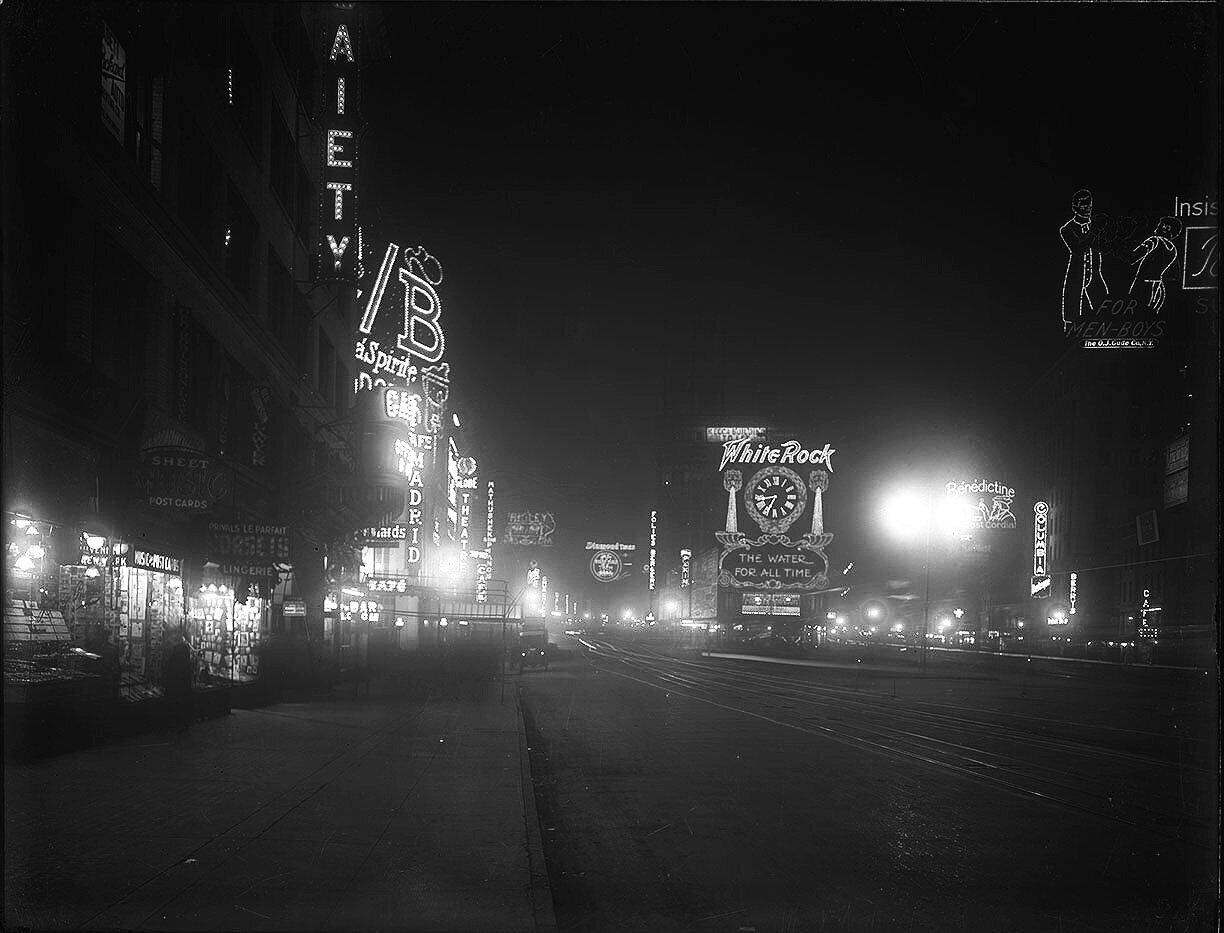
(388, 812)
(691, 793)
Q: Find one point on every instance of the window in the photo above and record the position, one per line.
(289, 36)
(301, 202)
(341, 393)
(196, 171)
(280, 292)
(119, 331)
(326, 371)
(243, 89)
(238, 240)
(284, 163)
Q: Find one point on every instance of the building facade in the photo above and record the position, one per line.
(177, 397)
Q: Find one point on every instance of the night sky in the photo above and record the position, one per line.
(863, 201)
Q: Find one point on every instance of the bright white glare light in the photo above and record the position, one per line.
(905, 515)
(92, 572)
(21, 522)
(24, 563)
(95, 542)
(841, 620)
(35, 551)
(627, 614)
(873, 630)
(909, 514)
(898, 627)
(455, 419)
(671, 605)
(945, 623)
(873, 612)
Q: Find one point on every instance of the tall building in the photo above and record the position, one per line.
(176, 388)
(1123, 447)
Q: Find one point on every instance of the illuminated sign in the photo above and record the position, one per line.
(484, 570)
(1073, 591)
(383, 535)
(996, 515)
(775, 497)
(771, 604)
(1039, 587)
(253, 543)
(337, 252)
(1083, 281)
(1041, 512)
(114, 83)
(686, 565)
(293, 606)
(258, 571)
(650, 567)
(747, 450)
(1201, 268)
(597, 546)
(465, 519)
(386, 584)
(533, 529)
(606, 566)
(400, 336)
(182, 481)
(151, 560)
(721, 435)
(402, 405)
(452, 488)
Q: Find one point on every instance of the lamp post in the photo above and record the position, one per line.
(915, 511)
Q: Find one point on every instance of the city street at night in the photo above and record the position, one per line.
(595, 467)
(678, 792)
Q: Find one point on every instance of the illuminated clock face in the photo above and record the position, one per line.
(775, 497)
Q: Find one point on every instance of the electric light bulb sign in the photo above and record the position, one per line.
(1041, 577)
(983, 515)
(399, 339)
(775, 497)
(337, 254)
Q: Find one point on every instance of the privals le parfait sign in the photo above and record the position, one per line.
(775, 497)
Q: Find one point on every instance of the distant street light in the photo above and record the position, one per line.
(921, 512)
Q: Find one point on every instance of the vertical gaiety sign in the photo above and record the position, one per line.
(336, 252)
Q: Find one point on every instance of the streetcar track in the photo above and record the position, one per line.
(1005, 771)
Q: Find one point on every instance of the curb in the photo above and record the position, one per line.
(540, 893)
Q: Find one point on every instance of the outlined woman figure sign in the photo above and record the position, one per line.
(1155, 256)
(1083, 282)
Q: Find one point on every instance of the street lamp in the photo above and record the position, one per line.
(919, 513)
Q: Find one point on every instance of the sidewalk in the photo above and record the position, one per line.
(388, 812)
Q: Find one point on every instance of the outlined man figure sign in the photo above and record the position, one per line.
(1154, 257)
(1083, 282)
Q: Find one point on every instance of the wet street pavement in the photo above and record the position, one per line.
(730, 794)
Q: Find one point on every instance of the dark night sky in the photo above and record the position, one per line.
(865, 197)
